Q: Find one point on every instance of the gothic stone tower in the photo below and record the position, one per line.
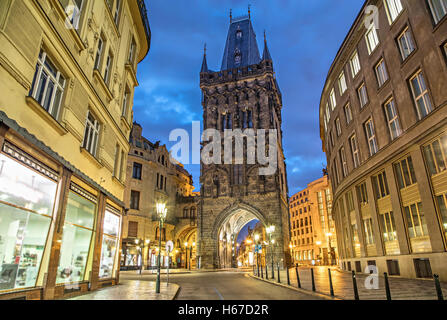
(243, 94)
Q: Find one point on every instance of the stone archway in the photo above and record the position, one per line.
(216, 248)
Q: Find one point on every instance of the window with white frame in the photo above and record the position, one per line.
(99, 51)
(117, 11)
(392, 119)
(48, 85)
(363, 95)
(406, 43)
(371, 137)
(355, 64)
(333, 100)
(338, 126)
(436, 155)
(73, 9)
(355, 150)
(348, 113)
(132, 49)
(335, 171)
(381, 73)
(445, 49)
(420, 95)
(372, 39)
(438, 9)
(394, 8)
(108, 69)
(342, 83)
(91, 134)
(125, 102)
(328, 112)
(344, 163)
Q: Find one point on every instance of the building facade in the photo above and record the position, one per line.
(153, 178)
(67, 76)
(383, 122)
(312, 228)
(243, 96)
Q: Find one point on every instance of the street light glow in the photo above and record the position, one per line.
(256, 237)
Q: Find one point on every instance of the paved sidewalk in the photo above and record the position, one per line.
(132, 290)
(401, 288)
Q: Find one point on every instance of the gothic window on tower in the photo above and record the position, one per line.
(249, 119)
(237, 56)
(239, 34)
(229, 124)
(237, 174)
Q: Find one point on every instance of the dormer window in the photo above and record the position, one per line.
(237, 56)
(239, 34)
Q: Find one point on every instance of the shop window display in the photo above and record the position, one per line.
(26, 206)
(109, 244)
(76, 239)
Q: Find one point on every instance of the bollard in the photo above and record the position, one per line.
(266, 272)
(288, 277)
(387, 287)
(298, 277)
(262, 272)
(438, 287)
(258, 271)
(253, 269)
(313, 279)
(279, 279)
(354, 283)
(330, 282)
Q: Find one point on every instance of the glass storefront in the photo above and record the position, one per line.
(109, 244)
(26, 206)
(76, 239)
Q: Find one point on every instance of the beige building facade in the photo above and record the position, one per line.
(312, 228)
(67, 76)
(384, 130)
(152, 178)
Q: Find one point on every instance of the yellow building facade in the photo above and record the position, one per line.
(313, 237)
(67, 77)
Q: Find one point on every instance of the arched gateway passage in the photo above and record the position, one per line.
(222, 240)
(227, 237)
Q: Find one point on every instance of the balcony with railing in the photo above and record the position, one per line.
(147, 29)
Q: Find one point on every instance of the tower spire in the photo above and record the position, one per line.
(204, 63)
(249, 11)
(266, 55)
(231, 16)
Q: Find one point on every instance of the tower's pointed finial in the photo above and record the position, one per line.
(249, 11)
(204, 68)
(266, 55)
(231, 15)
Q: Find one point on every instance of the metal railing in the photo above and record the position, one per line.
(147, 29)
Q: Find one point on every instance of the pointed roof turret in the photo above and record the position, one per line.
(204, 63)
(266, 55)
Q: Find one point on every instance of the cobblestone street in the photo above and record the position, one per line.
(401, 289)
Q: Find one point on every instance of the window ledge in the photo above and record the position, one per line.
(91, 157)
(103, 84)
(118, 181)
(125, 122)
(45, 115)
(131, 70)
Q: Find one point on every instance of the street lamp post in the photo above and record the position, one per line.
(329, 234)
(190, 254)
(186, 255)
(257, 250)
(270, 231)
(161, 211)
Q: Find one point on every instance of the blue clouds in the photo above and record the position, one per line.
(304, 37)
